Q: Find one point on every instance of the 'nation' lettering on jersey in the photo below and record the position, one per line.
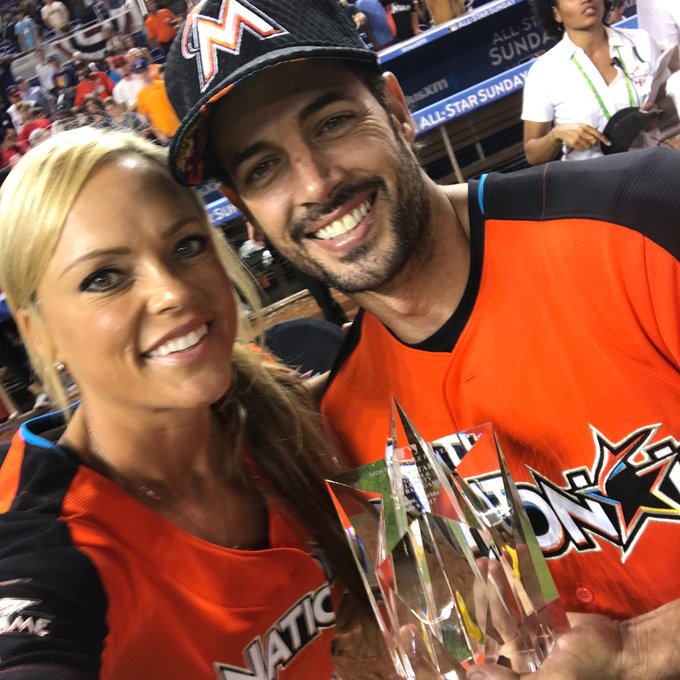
(631, 482)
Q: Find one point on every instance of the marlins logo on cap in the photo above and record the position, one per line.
(224, 42)
(204, 35)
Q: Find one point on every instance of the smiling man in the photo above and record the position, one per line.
(546, 301)
(363, 223)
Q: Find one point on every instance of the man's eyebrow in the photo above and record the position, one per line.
(318, 104)
(103, 252)
(245, 154)
(309, 110)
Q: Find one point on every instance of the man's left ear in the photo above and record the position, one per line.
(397, 107)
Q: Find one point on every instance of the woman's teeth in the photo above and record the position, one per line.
(344, 224)
(180, 344)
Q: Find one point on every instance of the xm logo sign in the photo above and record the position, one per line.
(301, 624)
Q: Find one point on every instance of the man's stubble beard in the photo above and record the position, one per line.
(409, 223)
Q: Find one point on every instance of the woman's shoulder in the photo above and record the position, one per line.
(555, 56)
(641, 49)
(634, 38)
(54, 600)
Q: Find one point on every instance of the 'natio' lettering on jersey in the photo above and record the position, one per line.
(299, 626)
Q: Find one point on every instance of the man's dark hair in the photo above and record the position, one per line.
(543, 13)
(372, 78)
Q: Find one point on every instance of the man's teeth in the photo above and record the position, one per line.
(344, 224)
(180, 344)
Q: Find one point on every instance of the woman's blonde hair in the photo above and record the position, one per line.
(268, 406)
(35, 201)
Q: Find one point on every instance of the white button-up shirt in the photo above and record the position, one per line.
(557, 91)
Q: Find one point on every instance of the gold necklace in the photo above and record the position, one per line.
(146, 492)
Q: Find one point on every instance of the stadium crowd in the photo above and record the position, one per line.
(125, 88)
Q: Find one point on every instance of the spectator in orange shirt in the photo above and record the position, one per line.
(161, 26)
(153, 103)
(91, 82)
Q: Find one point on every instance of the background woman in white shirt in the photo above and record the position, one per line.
(576, 87)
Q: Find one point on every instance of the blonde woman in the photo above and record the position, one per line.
(169, 525)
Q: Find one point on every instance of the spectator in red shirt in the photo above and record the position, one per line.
(91, 82)
(11, 150)
(35, 119)
(161, 26)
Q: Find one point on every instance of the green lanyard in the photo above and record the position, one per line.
(629, 86)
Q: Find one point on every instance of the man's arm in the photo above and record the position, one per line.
(20, 38)
(414, 18)
(105, 82)
(80, 96)
(150, 28)
(169, 18)
(641, 648)
(36, 33)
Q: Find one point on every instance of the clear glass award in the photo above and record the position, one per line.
(447, 560)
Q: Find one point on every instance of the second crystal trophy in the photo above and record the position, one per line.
(445, 563)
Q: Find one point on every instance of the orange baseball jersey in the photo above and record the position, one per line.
(567, 340)
(94, 584)
(153, 102)
(161, 26)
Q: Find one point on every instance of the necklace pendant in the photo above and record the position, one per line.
(150, 494)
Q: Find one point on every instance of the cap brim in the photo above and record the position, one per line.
(190, 156)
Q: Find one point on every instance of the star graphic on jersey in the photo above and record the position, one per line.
(205, 36)
(630, 480)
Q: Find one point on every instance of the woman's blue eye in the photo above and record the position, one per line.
(191, 246)
(102, 280)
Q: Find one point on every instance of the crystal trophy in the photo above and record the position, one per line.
(446, 560)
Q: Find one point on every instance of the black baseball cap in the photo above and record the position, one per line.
(624, 127)
(223, 42)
